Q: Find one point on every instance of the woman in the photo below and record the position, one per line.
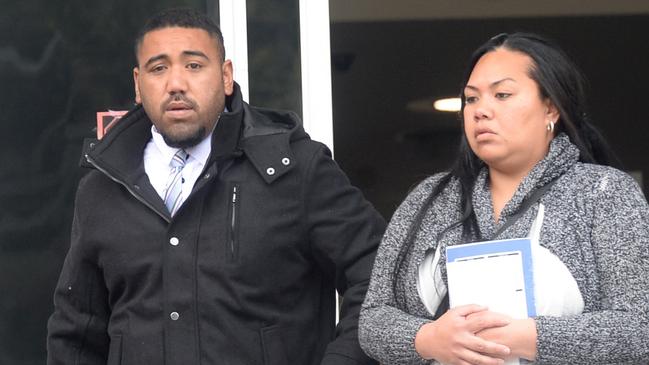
(528, 154)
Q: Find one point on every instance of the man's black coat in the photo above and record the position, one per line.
(244, 273)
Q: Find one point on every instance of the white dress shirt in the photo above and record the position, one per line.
(157, 163)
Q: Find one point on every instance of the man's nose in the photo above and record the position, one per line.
(176, 83)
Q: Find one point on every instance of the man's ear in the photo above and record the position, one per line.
(228, 77)
(136, 74)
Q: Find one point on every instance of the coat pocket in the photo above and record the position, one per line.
(234, 205)
(115, 351)
(272, 342)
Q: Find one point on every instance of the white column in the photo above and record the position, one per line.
(316, 76)
(316, 70)
(234, 25)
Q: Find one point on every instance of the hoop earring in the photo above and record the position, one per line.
(551, 127)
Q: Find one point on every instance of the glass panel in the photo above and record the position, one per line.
(274, 54)
(60, 63)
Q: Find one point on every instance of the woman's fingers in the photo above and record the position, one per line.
(488, 348)
(475, 358)
(452, 339)
(465, 310)
(479, 352)
(478, 321)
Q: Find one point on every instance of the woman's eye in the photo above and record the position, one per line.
(503, 96)
(470, 99)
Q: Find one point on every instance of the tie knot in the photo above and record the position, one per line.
(179, 159)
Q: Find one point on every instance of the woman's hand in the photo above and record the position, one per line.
(519, 336)
(452, 339)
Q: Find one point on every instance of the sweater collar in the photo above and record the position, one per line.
(561, 156)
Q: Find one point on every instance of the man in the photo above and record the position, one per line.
(210, 231)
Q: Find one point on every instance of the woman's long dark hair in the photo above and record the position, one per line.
(560, 81)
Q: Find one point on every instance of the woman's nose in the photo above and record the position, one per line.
(482, 110)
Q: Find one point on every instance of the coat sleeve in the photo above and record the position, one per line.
(344, 231)
(386, 331)
(77, 330)
(617, 331)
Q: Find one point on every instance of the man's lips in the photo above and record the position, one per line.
(179, 113)
(177, 106)
(178, 110)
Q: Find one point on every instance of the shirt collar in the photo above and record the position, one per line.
(200, 152)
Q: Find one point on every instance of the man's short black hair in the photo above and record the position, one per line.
(183, 18)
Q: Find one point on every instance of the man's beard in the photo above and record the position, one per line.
(182, 141)
(185, 141)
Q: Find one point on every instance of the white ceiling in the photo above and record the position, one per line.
(396, 10)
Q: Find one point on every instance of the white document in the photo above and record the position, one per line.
(496, 274)
(495, 281)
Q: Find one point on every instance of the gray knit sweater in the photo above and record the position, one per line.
(596, 222)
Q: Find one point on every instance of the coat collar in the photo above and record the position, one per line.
(266, 139)
(263, 135)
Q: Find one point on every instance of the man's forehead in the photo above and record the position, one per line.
(172, 33)
(177, 41)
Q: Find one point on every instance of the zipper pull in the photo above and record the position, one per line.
(233, 223)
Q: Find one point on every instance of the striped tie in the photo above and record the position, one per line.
(173, 191)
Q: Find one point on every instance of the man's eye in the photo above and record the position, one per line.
(194, 66)
(158, 69)
(503, 96)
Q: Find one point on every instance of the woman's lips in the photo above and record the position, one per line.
(482, 134)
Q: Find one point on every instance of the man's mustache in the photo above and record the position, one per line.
(179, 98)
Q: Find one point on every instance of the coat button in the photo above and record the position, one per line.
(174, 316)
(174, 241)
(270, 171)
(206, 176)
(286, 161)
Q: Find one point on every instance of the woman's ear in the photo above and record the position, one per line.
(551, 111)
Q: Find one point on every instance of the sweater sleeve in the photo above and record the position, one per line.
(617, 330)
(344, 231)
(77, 330)
(387, 332)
